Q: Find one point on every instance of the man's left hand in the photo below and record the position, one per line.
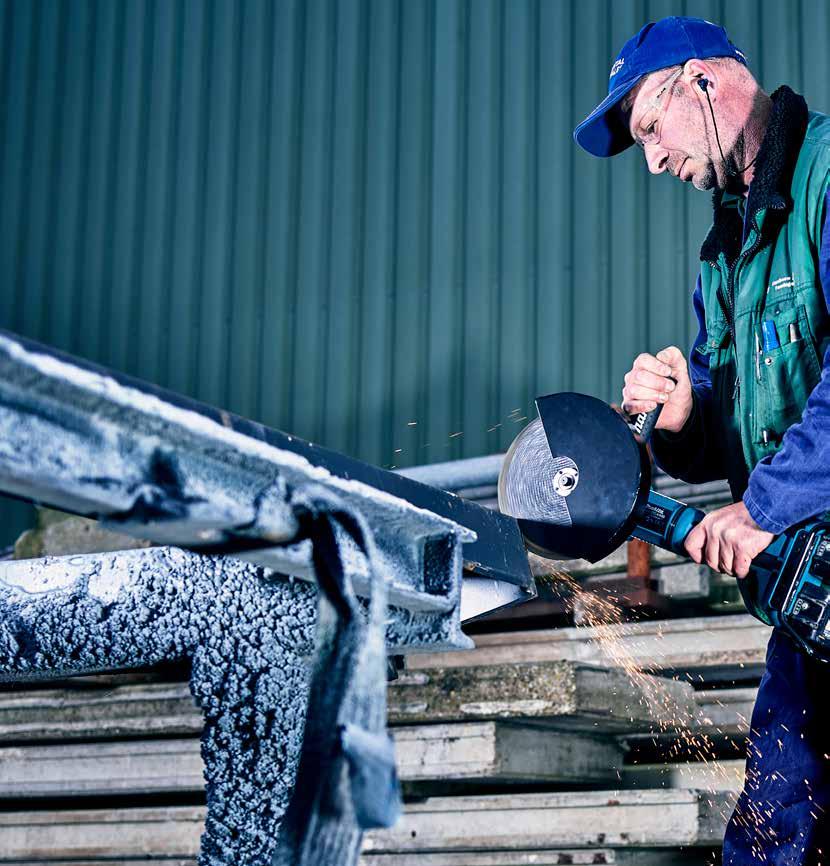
(727, 540)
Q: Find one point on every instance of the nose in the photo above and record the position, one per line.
(657, 158)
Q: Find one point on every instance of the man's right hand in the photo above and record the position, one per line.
(649, 382)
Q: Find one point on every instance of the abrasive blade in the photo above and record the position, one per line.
(573, 478)
(526, 486)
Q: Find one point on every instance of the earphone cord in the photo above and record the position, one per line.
(739, 171)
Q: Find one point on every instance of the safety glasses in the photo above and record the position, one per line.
(651, 121)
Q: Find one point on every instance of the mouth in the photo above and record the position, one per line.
(679, 173)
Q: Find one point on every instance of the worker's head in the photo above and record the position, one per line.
(659, 92)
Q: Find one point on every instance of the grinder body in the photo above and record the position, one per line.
(788, 584)
(578, 481)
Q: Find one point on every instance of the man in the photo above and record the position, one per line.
(753, 403)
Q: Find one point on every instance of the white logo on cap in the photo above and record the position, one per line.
(616, 67)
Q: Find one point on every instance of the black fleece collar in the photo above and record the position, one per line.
(770, 187)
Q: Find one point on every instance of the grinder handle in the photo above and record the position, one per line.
(646, 421)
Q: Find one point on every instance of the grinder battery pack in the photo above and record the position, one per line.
(578, 481)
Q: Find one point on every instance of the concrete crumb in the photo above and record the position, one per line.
(249, 638)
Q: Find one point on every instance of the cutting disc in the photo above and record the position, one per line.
(526, 486)
(573, 478)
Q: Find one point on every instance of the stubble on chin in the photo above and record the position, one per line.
(707, 179)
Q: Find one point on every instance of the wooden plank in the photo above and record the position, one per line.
(517, 823)
(615, 819)
(504, 752)
(725, 711)
(721, 647)
(722, 714)
(573, 857)
(157, 709)
(152, 861)
(559, 857)
(167, 709)
(480, 751)
(701, 775)
(157, 766)
(121, 834)
(594, 699)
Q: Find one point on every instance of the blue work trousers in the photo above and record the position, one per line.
(782, 817)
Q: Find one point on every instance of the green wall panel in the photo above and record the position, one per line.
(362, 221)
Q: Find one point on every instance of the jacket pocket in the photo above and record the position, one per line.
(788, 373)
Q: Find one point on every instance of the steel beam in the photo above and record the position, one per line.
(157, 465)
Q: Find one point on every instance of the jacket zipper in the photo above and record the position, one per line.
(727, 302)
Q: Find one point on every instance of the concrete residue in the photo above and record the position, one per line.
(249, 638)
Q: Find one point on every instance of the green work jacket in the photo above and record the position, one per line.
(767, 324)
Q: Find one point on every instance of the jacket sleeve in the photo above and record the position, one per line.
(693, 454)
(794, 484)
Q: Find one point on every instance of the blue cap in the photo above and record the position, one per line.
(668, 42)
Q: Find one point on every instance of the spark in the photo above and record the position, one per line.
(605, 619)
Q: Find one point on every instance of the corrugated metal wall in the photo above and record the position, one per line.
(363, 221)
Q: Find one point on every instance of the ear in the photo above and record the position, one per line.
(694, 71)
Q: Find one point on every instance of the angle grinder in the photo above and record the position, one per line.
(578, 481)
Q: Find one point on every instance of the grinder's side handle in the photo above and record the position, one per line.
(645, 422)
